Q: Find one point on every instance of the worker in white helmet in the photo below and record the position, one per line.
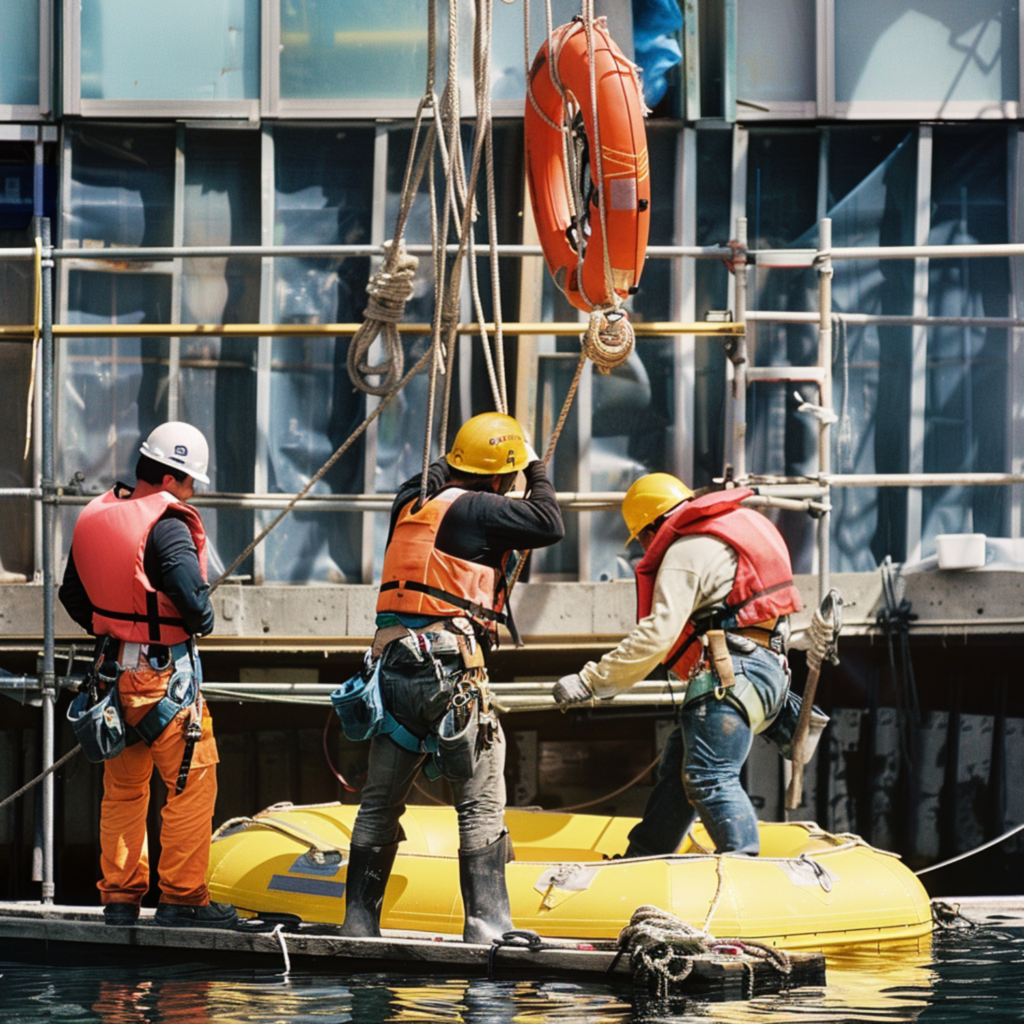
(136, 579)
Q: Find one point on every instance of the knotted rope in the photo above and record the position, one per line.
(609, 339)
(389, 290)
(663, 948)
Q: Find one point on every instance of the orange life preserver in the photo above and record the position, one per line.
(109, 544)
(417, 579)
(626, 170)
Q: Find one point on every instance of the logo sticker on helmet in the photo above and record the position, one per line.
(180, 449)
(510, 459)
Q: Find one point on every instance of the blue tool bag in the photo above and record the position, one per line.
(358, 703)
(99, 724)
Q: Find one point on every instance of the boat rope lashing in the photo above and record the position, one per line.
(662, 949)
(389, 290)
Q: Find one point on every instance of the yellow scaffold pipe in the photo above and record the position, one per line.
(652, 329)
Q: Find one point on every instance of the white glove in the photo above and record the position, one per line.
(571, 690)
(531, 455)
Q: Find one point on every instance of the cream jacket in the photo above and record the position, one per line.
(697, 572)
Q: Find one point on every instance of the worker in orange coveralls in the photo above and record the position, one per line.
(136, 579)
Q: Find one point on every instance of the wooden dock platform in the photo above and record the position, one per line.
(44, 933)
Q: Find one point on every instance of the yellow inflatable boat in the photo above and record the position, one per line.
(808, 889)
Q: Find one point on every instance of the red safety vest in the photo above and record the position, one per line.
(417, 579)
(109, 544)
(763, 588)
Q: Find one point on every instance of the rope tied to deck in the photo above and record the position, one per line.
(389, 290)
(662, 949)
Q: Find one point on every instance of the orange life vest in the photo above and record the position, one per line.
(763, 588)
(109, 544)
(417, 579)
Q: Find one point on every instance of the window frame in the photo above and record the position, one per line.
(41, 110)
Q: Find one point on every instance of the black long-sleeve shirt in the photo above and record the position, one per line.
(171, 563)
(482, 526)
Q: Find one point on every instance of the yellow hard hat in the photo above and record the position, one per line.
(649, 497)
(487, 444)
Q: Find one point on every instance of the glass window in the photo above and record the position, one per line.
(218, 375)
(19, 52)
(935, 50)
(188, 50)
(332, 49)
(114, 390)
(775, 50)
(323, 196)
(966, 408)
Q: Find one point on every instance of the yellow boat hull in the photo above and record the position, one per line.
(808, 889)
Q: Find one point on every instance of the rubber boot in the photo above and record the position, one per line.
(484, 891)
(368, 870)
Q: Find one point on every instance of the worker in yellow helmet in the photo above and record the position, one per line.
(714, 589)
(443, 592)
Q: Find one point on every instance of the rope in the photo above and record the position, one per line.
(970, 853)
(389, 290)
(278, 933)
(313, 480)
(663, 947)
(609, 339)
(39, 778)
(616, 792)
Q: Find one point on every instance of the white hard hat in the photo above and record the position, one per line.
(180, 446)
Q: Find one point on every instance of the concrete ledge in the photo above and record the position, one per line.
(947, 603)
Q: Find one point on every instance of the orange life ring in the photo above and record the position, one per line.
(626, 171)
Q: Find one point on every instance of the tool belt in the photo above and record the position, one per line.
(715, 675)
(469, 724)
(96, 715)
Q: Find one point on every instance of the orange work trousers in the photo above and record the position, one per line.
(187, 817)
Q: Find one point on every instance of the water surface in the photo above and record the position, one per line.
(973, 976)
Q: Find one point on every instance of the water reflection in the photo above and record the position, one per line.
(964, 977)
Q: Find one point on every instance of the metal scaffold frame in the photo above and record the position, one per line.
(793, 494)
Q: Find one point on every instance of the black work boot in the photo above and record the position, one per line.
(368, 870)
(179, 915)
(484, 891)
(123, 914)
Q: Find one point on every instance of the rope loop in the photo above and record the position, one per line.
(389, 290)
(609, 339)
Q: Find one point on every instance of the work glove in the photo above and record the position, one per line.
(571, 690)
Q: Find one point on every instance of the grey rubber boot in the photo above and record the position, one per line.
(368, 870)
(484, 891)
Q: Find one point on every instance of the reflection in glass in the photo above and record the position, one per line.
(188, 50)
(939, 50)
(19, 52)
(218, 375)
(323, 196)
(775, 50)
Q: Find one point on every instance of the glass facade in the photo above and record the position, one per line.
(275, 409)
(188, 50)
(943, 50)
(19, 52)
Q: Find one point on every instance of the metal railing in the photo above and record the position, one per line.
(780, 492)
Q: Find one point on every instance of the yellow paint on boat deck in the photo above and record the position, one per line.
(809, 889)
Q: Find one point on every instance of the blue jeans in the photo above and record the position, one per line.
(699, 772)
(417, 694)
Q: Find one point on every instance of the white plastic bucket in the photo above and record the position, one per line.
(960, 550)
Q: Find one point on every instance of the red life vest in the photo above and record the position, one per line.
(109, 544)
(417, 579)
(763, 588)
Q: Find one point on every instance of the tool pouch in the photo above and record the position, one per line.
(721, 661)
(97, 719)
(457, 736)
(783, 729)
(358, 703)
